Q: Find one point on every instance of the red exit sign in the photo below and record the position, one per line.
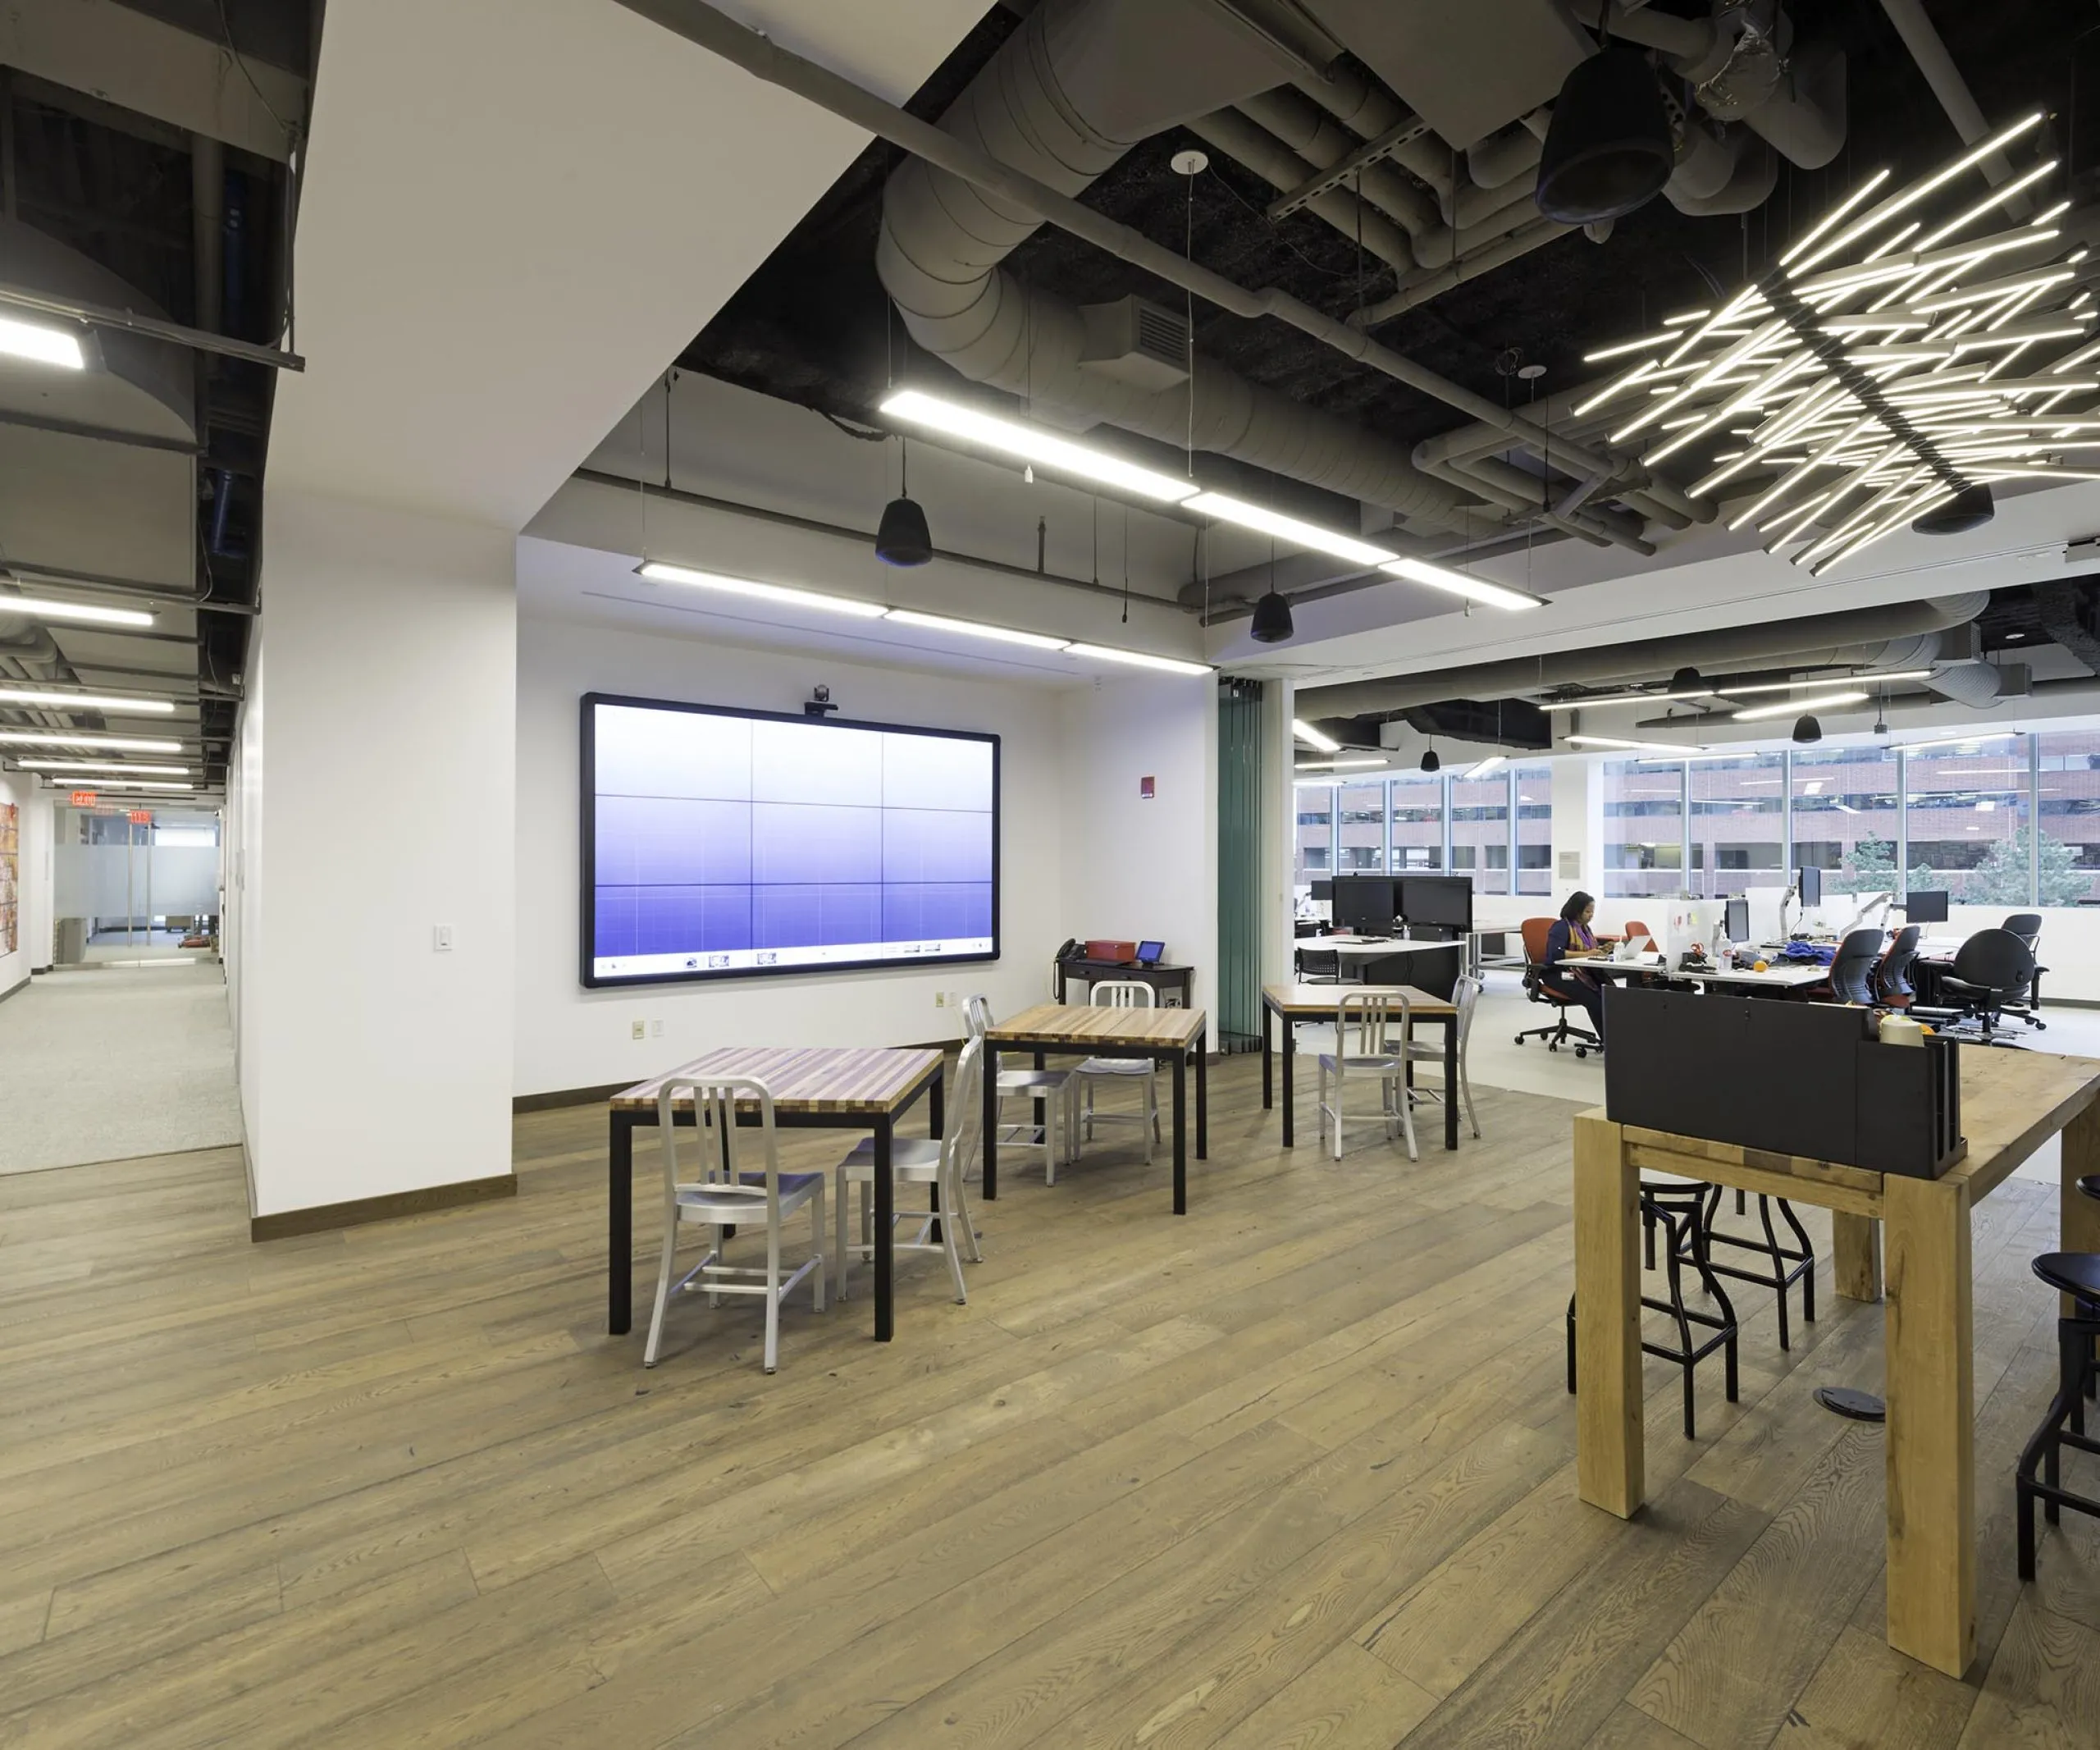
(142, 817)
(84, 798)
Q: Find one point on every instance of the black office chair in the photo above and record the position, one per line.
(1892, 978)
(1993, 966)
(2027, 925)
(1319, 967)
(1851, 970)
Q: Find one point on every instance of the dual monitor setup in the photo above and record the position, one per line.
(1371, 904)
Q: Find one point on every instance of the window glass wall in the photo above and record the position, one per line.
(2068, 780)
(1417, 820)
(1846, 817)
(1966, 816)
(1315, 854)
(1533, 785)
(1361, 813)
(1738, 823)
(1644, 829)
(1480, 831)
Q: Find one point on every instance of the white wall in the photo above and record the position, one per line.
(1135, 868)
(569, 1037)
(370, 1063)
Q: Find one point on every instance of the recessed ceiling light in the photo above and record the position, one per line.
(974, 629)
(657, 571)
(1138, 659)
(1225, 509)
(45, 345)
(69, 738)
(1462, 583)
(39, 607)
(86, 702)
(1312, 738)
(1030, 444)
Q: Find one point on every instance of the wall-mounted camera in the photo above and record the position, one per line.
(818, 706)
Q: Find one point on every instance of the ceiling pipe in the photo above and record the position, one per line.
(1850, 638)
(1246, 143)
(702, 24)
(1952, 90)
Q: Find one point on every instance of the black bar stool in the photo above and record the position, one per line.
(2077, 1274)
(1676, 1206)
(1786, 1265)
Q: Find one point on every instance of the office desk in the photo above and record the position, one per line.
(1167, 1035)
(1363, 955)
(1166, 980)
(813, 1088)
(1779, 977)
(1292, 1003)
(2012, 1102)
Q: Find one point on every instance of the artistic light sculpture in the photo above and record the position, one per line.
(1886, 372)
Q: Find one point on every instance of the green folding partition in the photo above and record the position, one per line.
(1239, 757)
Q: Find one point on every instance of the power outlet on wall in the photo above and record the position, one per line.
(940, 999)
(640, 1030)
(656, 1028)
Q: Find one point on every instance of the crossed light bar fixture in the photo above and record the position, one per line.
(72, 738)
(1882, 375)
(36, 607)
(658, 571)
(86, 702)
(1032, 445)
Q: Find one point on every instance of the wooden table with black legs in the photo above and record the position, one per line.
(1292, 1003)
(813, 1088)
(1166, 1035)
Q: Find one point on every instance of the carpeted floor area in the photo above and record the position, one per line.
(107, 1063)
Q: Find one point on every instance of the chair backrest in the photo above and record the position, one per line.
(1314, 960)
(1851, 970)
(1371, 1013)
(1633, 928)
(1123, 992)
(1893, 976)
(723, 1143)
(2027, 925)
(1465, 996)
(965, 1106)
(1996, 961)
(977, 1016)
(1536, 930)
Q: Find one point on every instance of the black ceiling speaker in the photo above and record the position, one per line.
(1807, 729)
(1970, 508)
(1272, 620)
(1430, 763)
(901, 537)
(1609, 148)
(1685, 680)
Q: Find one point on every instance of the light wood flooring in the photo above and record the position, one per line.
(1294, 1471)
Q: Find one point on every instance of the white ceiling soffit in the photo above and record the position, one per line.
(1707, 578)
(518, 211)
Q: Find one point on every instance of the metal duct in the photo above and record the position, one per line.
(1864, 637)
(1246, 142)
(1981, 683)
(2067, 614)
(1078, 84)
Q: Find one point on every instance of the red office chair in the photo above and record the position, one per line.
(1563, 1031)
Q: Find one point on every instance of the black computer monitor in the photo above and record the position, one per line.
(1808, 882)
(1926, 907)
(1365, 903)
(1738, 921)
(1445, 901)
(1323, 888)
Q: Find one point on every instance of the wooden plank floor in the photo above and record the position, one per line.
(1295, 1470)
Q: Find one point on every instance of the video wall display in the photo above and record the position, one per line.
(727, 843)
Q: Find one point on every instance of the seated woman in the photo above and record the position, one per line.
(1570, 938)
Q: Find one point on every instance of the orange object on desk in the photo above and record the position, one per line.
(1114, 953)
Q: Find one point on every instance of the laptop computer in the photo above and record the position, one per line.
(1632, 949)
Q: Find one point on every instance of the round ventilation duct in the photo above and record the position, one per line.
(1609, 148)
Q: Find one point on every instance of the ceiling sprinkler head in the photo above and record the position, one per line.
(1190, 163)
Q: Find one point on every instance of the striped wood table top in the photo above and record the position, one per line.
(806, 1079)
(1299, 1001)
(1055, 1024)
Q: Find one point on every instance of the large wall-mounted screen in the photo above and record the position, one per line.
(722, 843)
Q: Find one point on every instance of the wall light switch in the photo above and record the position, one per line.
(940, 999)
(656, 1029)
(640, 1030)
(441, 938)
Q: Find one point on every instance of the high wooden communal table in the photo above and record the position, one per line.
(1166, 1035)
(1292, 1003)
(2012, 1102)
(813, 1088)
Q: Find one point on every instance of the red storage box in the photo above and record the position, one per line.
(1115, 953)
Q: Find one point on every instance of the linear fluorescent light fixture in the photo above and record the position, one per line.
(1225, 509)
(69, 739)
(1493, 763)
(657, 572)
(1312, 738)
(1137, 659)
(129, 784)
(1338, 766)
(974, 629)
(87, 613)
(86, 702)
(1462, 583)
(1616, 743)
(1627, 698)
(110, 766)
(1956, 741)
(1821, 701)
(43, 344)
(1028, 443)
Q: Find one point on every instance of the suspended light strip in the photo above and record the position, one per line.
(1820, 702)
(116, 770)
(1493, 763)
(1617, 744)
(72, 738)
(41, 345)
(1337, 766)
(1030, 444)
(657, 571)
(1225, 509)
(86, 702)
(974, 629)
(128, 786)
(1463, 583)
(87, 613)
(1836, 215)
(1138, 659)
(1312, 738)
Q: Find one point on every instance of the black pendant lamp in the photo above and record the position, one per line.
(1430, 763)
(1970, 508)
(901, 537)
(1271, 623)
(1609, 148)
(1807, 729)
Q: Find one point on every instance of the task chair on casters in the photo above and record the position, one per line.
(1993, 966)
(1563, 1031)
(725, 1196)
(1121, 993)
(1891, 979)
(919, 1160)
(1372, 1053)
(2027, 925)
(1851, 972)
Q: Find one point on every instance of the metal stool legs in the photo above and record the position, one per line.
(1789, 1264)
(2064, 1425)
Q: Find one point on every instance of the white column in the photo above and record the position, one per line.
(1578, 824)
(40, 910)
(378, 788)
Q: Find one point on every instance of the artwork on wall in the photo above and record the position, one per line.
(11, 846)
